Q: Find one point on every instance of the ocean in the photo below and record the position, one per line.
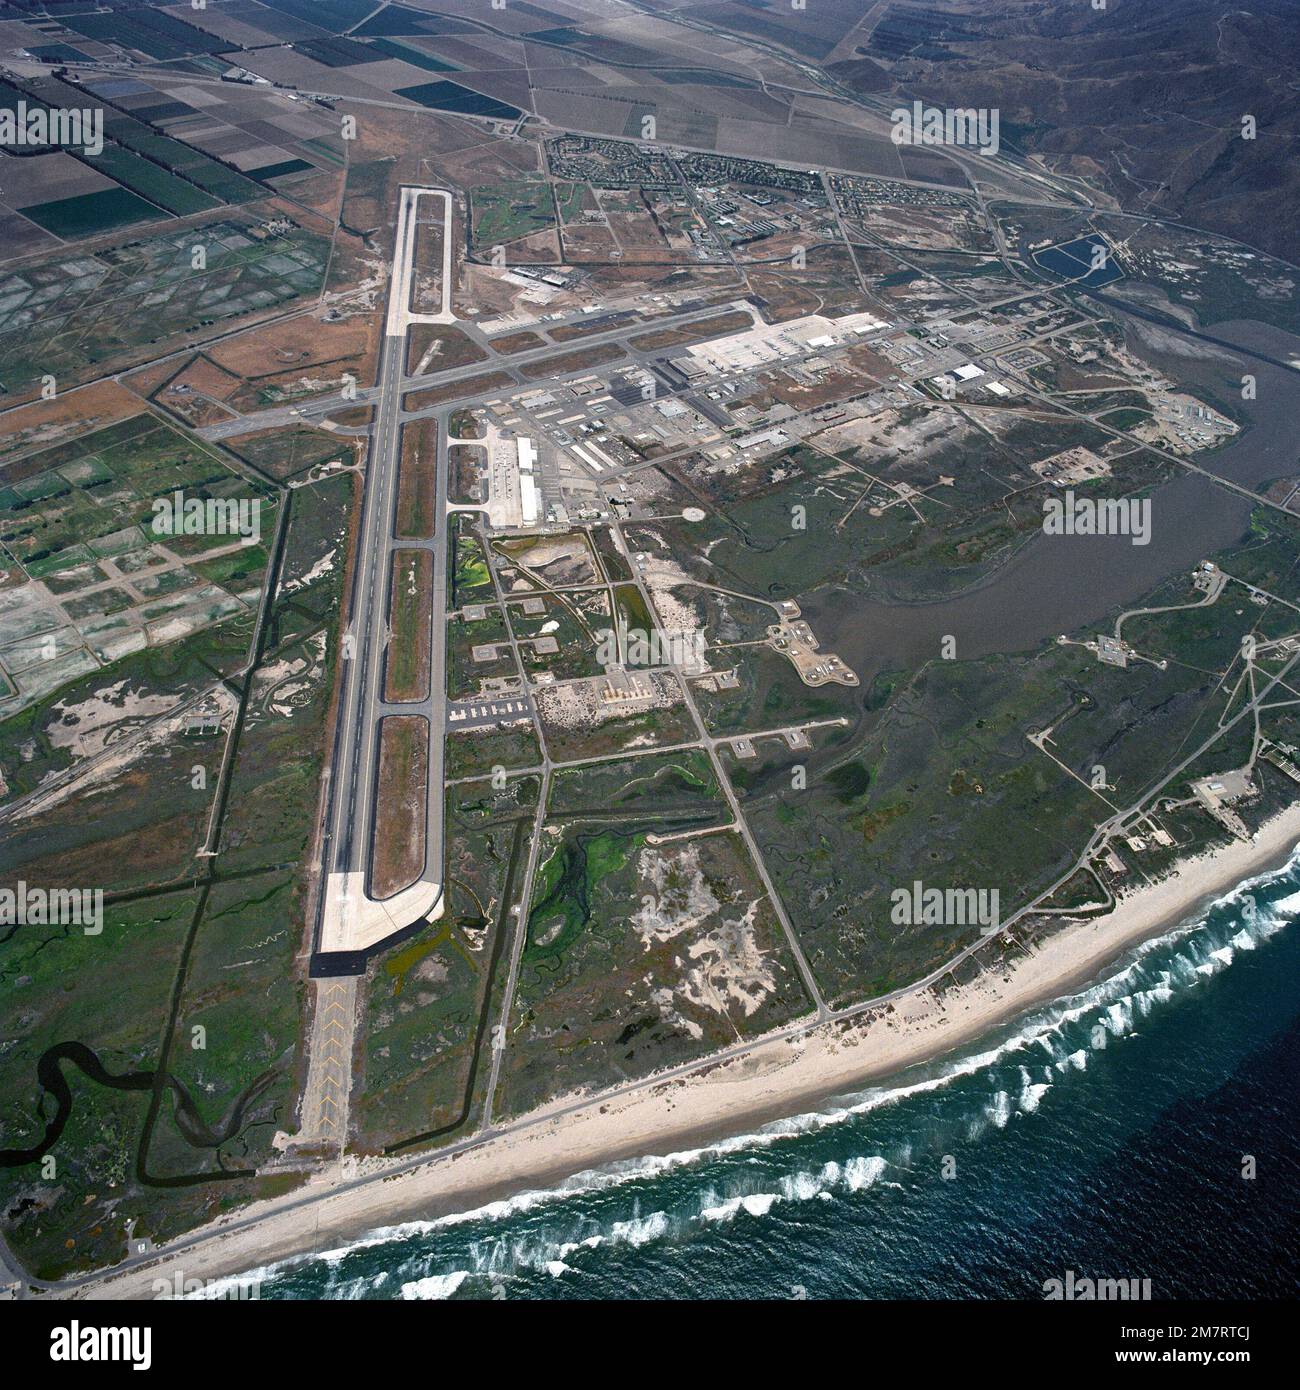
(1143, 1128)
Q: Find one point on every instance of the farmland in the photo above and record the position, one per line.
(79, 523)
(64, 316)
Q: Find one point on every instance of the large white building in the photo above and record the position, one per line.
(527, 499)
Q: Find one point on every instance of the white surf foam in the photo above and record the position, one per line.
(434, 1287)
(1115, 1002)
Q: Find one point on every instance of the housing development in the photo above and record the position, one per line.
(552, 560)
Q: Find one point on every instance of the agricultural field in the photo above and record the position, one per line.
(152, 32)
(63, 317)
(176, 1082)
(138, 175)
(98, 571)
(819, 516)
(451, 97)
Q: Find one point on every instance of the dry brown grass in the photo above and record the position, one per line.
(295, 345)
(458, 390)
(42, 423)
(714, 327)
(517, 342)
(566, 362)
(398, 849)
(451, 348)
(417, 479)
(410, 613)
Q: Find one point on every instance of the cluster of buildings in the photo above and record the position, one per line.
(1217, 794)
(795, 640)
(1191, 423)
(856, 192)
(766, 345)
(609, 163)
(526, 455)
(714, 169)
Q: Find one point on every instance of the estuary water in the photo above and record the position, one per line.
(1058, 584)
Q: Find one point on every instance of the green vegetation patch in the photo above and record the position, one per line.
(641, 956)
(88, 214)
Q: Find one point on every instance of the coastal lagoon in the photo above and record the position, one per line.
(1058, 584)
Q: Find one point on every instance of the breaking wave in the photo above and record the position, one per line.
(761, 1177)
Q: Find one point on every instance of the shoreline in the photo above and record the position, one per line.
(775, 1079)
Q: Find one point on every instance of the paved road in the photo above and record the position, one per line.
(738, 815)
(306, 1200)
(364, 644)
(312, 412)
(326, 1094)
(346, 845)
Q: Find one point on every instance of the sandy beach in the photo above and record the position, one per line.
(773, 1079)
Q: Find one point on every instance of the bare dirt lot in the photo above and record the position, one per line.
(197, 394)
(298, 356)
